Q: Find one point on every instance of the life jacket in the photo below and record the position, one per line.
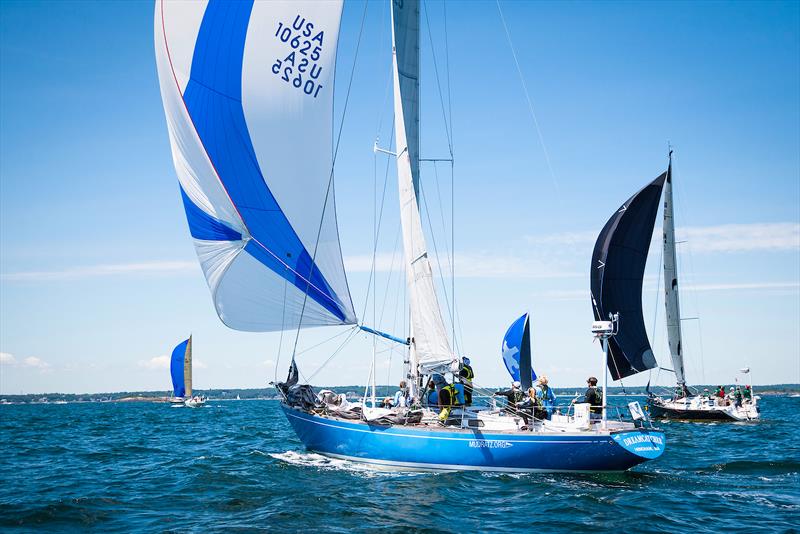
(452, 393)
(470, 374)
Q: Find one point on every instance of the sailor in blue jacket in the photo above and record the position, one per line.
(546, 395)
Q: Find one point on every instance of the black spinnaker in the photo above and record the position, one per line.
(618, 263)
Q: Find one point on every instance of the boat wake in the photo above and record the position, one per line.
(764, 468)
(318, 461)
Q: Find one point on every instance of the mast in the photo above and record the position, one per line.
(430, 349)
(187, 368)
(671, 299)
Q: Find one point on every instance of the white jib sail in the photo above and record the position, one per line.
(247, 89)
(671, 299)
(430, 349)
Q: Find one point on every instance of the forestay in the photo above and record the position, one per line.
(430, 348)
(618, 263)
(247, 89)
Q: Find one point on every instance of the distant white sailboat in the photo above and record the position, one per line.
(616, 287)
(739, 405)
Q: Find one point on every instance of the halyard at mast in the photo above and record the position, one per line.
(671, 299)
(430, 350)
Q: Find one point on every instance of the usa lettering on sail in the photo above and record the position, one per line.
(299, 67)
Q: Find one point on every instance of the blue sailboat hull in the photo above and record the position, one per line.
(472, 449)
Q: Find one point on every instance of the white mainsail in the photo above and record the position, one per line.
(405, 25)
(430, 349)
(671, 299)
(247, 89)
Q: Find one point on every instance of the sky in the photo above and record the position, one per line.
(99, 278)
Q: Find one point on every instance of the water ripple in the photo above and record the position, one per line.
(239, 466)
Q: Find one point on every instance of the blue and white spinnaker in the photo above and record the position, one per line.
(516, 351)
(247, 89)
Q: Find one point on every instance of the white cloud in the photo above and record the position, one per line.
(157, 362)
(581, 294)
(30, 361)
(471, 265)
(733, 287)
(721, 238)
(37, 363)
(162, 362)
(122, 269)
(743, 237)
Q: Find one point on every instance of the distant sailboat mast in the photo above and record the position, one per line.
(430, 350)
(671, 298)
(187, 368)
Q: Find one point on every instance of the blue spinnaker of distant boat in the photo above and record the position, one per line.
(176, 369)
(516, 351)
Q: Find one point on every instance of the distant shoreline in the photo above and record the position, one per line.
(351, 391)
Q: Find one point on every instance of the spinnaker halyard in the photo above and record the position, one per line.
(248, 94)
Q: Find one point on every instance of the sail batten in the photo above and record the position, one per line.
(617, 272)
(671, 297)
(248, 94)
(430, 349)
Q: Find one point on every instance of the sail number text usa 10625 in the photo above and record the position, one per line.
(300, 68)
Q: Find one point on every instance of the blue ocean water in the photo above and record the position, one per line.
(237, 465)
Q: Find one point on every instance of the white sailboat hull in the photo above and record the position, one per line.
(703, 408)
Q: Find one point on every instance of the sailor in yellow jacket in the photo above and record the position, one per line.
(448, 397)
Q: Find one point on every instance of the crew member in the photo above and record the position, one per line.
(401, 398)
(546, 396)
(593, 396)
(466, 374)
(514, 395)
(448, 397)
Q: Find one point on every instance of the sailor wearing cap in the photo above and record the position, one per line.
(514, 395)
